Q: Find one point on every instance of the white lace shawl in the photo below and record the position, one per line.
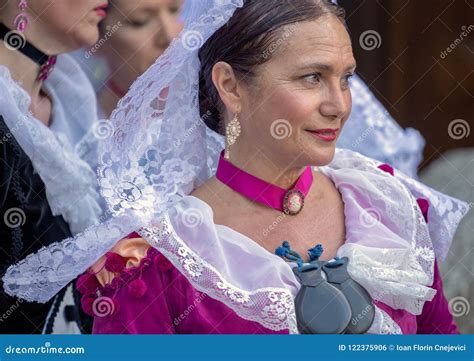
(71, 184)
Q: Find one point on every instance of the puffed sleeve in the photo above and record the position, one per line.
(435, 317)
(442, 213)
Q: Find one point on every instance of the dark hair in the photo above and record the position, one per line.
(247, 40)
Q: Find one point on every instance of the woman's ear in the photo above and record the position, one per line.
(225, 81)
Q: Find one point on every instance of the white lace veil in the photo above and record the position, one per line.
(158, 152)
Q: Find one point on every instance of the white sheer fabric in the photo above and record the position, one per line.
(71, 184)
(161, 150)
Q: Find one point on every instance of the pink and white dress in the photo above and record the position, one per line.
(186, 274)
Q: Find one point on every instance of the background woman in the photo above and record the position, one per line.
(46, 106)
(144, 29)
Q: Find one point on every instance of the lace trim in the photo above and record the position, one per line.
(271, 307)
(389, 326)
(383, 324)
(131, 273)
(41, 275)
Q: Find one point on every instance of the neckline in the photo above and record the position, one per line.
(27, 49)
(289, 201)
(44, 61)
(326, 170)
(24, 101)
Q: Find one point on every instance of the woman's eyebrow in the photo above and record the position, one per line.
(326, 67)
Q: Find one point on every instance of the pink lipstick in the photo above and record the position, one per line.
(328, 135)
(101, 10)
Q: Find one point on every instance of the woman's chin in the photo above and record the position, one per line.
(88, 36)
(322, 156)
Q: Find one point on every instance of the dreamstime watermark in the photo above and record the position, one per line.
(459, 306)
(46, 349)
(275, 45)
(21, 122)
(459, 129)
(189, 309)
(14, 40)
(102, 129)
(361, 138)
(370, 217)
(14, 306)
(14, 217)
(104, 216)
(190, 131)
(466, 30)
(103, 306)
(111, 30)
(192, 217)
(281, 129)
(192, 40)
(361, 315)
(272, 226)
(370, 40)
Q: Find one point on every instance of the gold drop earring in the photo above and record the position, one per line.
(232, 131)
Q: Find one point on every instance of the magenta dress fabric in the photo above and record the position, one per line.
(170, 305)
(167, 304)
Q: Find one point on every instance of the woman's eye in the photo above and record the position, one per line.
(347, 79)
(313, 78)
(138, 23)
(175, 9)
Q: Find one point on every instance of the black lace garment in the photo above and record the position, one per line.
(26, 225)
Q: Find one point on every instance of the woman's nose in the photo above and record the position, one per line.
(169, 30)
(336, 103)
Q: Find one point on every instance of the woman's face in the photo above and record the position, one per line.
(58, 26)
(301, 91)
(145, 28)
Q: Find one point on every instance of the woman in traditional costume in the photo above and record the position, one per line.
(280, 232)
(47, 105)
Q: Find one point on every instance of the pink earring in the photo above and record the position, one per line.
(21, 20)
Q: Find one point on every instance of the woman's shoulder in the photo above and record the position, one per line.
(377, 182)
